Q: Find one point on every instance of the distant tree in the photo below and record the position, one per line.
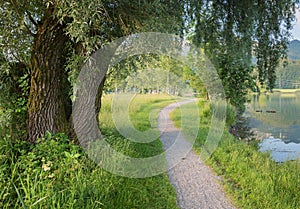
(194, 82)
(147, 73)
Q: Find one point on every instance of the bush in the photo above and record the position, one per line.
(217, 107)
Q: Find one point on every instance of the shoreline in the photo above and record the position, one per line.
(282, 91)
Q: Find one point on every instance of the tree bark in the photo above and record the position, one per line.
(47, 104)
(98, 102)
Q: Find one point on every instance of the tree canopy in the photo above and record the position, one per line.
(44, 43)
(234, 32)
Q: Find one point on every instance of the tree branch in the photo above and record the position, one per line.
(31, 18)
(21, 16)
(16, 7)
(29, 31)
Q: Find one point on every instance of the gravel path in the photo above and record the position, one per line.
(196, 185)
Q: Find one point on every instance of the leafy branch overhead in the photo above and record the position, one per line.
(234, 32)
(51, 39)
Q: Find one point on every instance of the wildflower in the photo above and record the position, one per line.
(47, 166)
(51, 176)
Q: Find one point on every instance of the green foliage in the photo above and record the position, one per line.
(161, 75)
(88, 25)
(236, 77)
(272, 35)
(193, 80)
(232, 32)
(229, 32)
(14, 85)
(147, 73)
(55, 173)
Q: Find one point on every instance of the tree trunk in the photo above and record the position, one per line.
(47, 105)
(98, 102)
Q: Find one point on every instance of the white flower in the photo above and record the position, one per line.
(47, 166)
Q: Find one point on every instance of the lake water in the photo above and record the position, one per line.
(275, 118)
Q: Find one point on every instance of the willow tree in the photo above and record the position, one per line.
(234, 32)
(53, 37)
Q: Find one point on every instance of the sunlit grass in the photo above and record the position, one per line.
(58, 174)
(144, 111)
(286, 90)
(252, 178)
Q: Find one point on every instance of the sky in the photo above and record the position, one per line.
(296, 29)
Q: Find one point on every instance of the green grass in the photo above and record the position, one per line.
(204, 111)
(185, 112)
(57, 174)
(144, 110)
(286, 90)
(251, 178)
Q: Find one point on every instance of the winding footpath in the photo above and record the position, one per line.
(196, 185)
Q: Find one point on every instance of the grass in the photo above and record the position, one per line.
(204, 111)
(286, 90)
(184, 113)
(251, 178)
(57, 174)
(143, 112)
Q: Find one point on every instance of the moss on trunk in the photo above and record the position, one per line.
(47, 103)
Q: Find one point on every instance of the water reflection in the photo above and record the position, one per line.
(279, 150)
(275, 118)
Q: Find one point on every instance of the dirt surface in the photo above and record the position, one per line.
(196, 185)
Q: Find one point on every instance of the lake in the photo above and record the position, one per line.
(275, 119)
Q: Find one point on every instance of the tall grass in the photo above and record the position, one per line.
(57, 174)
(144, 111)
(252, 178)
(205, 110)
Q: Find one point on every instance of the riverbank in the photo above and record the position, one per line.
(252, 178)
(286, 90)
